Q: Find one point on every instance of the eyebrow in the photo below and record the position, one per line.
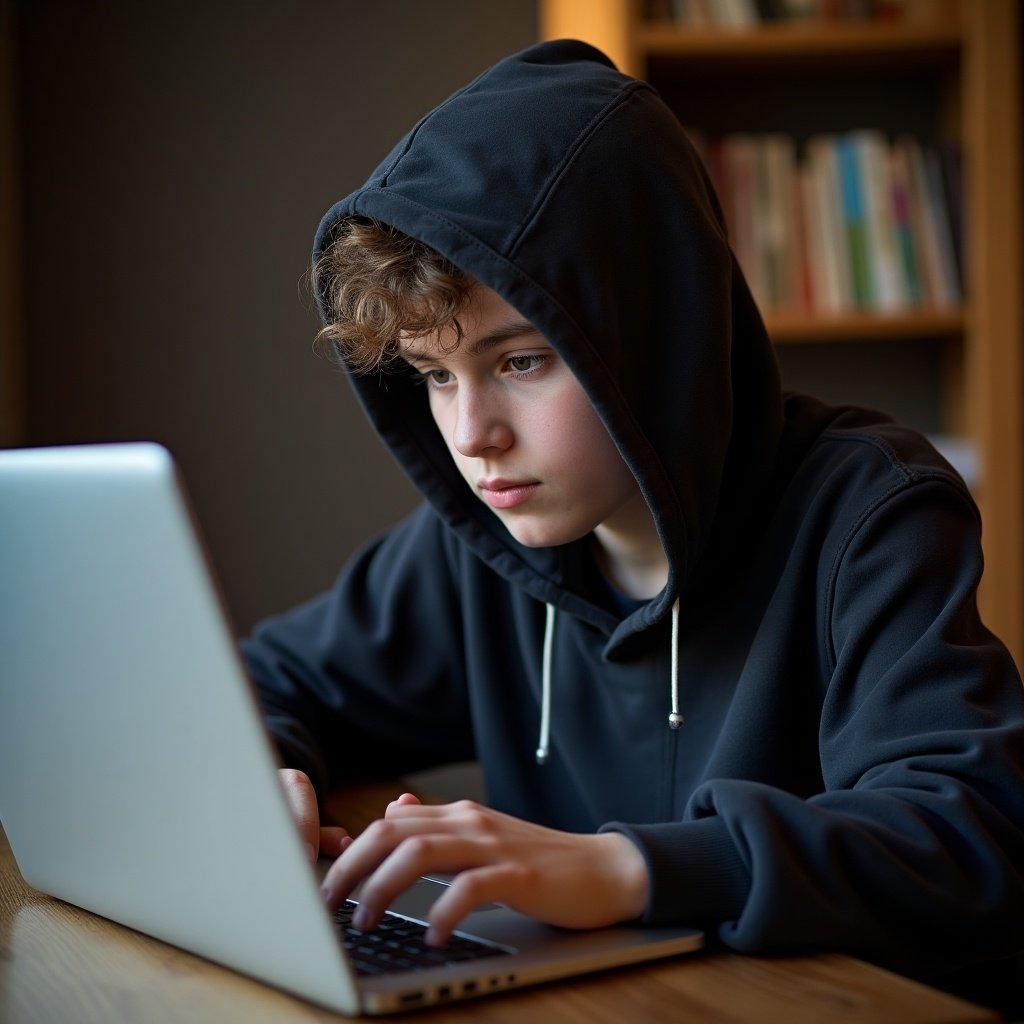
(503, 332)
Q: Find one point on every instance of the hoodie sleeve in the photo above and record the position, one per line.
(369, 679)
(912, 854)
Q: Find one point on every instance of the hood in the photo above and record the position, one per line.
(573, 192)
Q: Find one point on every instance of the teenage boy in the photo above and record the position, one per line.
(716, 649)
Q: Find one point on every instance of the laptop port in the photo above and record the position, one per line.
(411, 998)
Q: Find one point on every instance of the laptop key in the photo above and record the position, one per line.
(398, 944)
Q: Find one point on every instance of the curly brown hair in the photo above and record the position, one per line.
(376, 284)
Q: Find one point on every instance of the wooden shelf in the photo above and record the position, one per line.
(786, 41)
(802, 328)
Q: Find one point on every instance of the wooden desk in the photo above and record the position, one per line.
(59, 964)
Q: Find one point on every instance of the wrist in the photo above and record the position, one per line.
(630, 877)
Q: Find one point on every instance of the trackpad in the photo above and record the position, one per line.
(417, 901)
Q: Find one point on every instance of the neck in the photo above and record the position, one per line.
(629, 551)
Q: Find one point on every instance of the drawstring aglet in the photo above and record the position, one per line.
(675, 719)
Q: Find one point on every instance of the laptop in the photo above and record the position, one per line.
(134, 759)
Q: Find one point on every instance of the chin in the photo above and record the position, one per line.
(540, 535)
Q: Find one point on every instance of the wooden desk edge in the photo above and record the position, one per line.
(58, 962)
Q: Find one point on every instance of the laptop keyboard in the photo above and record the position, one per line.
(397, 944)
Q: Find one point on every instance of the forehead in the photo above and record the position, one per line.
(487, 322)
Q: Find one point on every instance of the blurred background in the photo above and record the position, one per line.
(165, 166)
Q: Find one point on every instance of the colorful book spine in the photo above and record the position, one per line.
(854, 227)
(906, 237)
(888, 288)
(827, 254)
(854, 222)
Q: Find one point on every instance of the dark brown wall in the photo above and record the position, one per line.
(175, 158)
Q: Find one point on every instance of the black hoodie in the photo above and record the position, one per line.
(850, 771)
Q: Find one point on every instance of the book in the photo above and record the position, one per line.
(733, 13)
(888, 290)
(808, 255)
(951, 156)
(940, 286)
(939, 205)
(828, 256)
(907, 240)
(740, 163)
(853, 220)
(779, 234)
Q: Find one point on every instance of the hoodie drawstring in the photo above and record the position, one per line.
(675, 718)
(544, 740)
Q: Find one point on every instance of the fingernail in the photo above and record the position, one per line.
(310, 852)
(325, 893)
(361, 919)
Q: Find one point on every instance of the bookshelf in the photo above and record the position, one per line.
(943, 71)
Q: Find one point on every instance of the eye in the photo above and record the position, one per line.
(437, 378)
(527, 364)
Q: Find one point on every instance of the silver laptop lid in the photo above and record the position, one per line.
(110, 626)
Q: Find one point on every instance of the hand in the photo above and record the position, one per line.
(327, 840)
(563, 878)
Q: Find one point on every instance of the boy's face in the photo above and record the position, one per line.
(521, 428)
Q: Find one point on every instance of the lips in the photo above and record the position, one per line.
(501, 493)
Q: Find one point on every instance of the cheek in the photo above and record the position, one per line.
(443, 417)
(587, 445)
(436, 408)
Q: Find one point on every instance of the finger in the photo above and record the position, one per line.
(493, 883)
(301, 797)
(408, 805)
(360, 857)
(405, 800)
(415, 856)
(333, 841)
(377, 842)
(464, 816)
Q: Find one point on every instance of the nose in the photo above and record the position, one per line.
(481, 423)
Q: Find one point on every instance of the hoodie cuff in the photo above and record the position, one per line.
(696, 873)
